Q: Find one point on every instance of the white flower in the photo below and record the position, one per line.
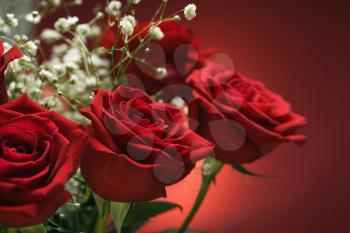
(31, 48)
(72, 20)
(113, 8)
(46, 75)
(11, 20)
(54, 3)
(131, 19)
(72, 56)
(161, 72)
(156, 33)
(99, 15)
(178, 102)
(94, 31)
(33, 17)
(49, 102)
(176, 18)
(20, 39)
(83, 29)
(65, 24)
(15, 67)
(190, 11)
(126, 27)
(135, 1)
(78, 2)
(99, 62)
(59, 50)
(50, 35)
(4, 28)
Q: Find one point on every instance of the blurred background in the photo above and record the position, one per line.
(301, 50)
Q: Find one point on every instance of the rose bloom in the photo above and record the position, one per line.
(5, 59)
(137, 146)
(40, 152)
(241, 116)
(178, 52)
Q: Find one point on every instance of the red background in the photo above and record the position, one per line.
(300, 49)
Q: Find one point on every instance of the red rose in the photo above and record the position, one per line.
(177, 52)
(137, 146)
(5, 59)
(40, 152)
(242, 117)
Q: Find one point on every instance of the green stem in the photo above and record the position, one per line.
(210, 169)
(101, 224)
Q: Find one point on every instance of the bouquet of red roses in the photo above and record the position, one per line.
(98, 118)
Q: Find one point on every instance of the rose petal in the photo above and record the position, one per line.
(114, 176)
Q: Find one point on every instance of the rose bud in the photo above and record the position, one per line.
(137, 146)
(40, 152)
(241, 116)
(177, 50)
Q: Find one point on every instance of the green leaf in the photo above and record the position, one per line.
(143, 211)
(119, 211)
(103, 206)
(8, 230)
(247, 172)
(34, 229)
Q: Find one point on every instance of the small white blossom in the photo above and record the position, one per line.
(78, 2)
(15, 67)
(4, 28)
(73, 55)
(113, 8)
(99, 62)
(99, 15)
(135, 1)
(21, 39)
(49, 35)
(176, 18)
(178, 102)
(94, 31)
(161, 72)
(59, 50)
(126, 27)
(190, 11)
(131, 19)
(54, 3)
(31, 48)
(49, 102)
(11, 20)
(33, 17)
(46, 75)
(65, 24)
(16, 89)
(156, 33)
(83, 29)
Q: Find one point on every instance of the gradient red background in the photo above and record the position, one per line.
(300, 49)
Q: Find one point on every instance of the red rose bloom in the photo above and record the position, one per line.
(137, 146)
(177, 52)
(241, 116)
(5, 59)
(40, 152)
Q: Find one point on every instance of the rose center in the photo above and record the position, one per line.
(18, 146)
